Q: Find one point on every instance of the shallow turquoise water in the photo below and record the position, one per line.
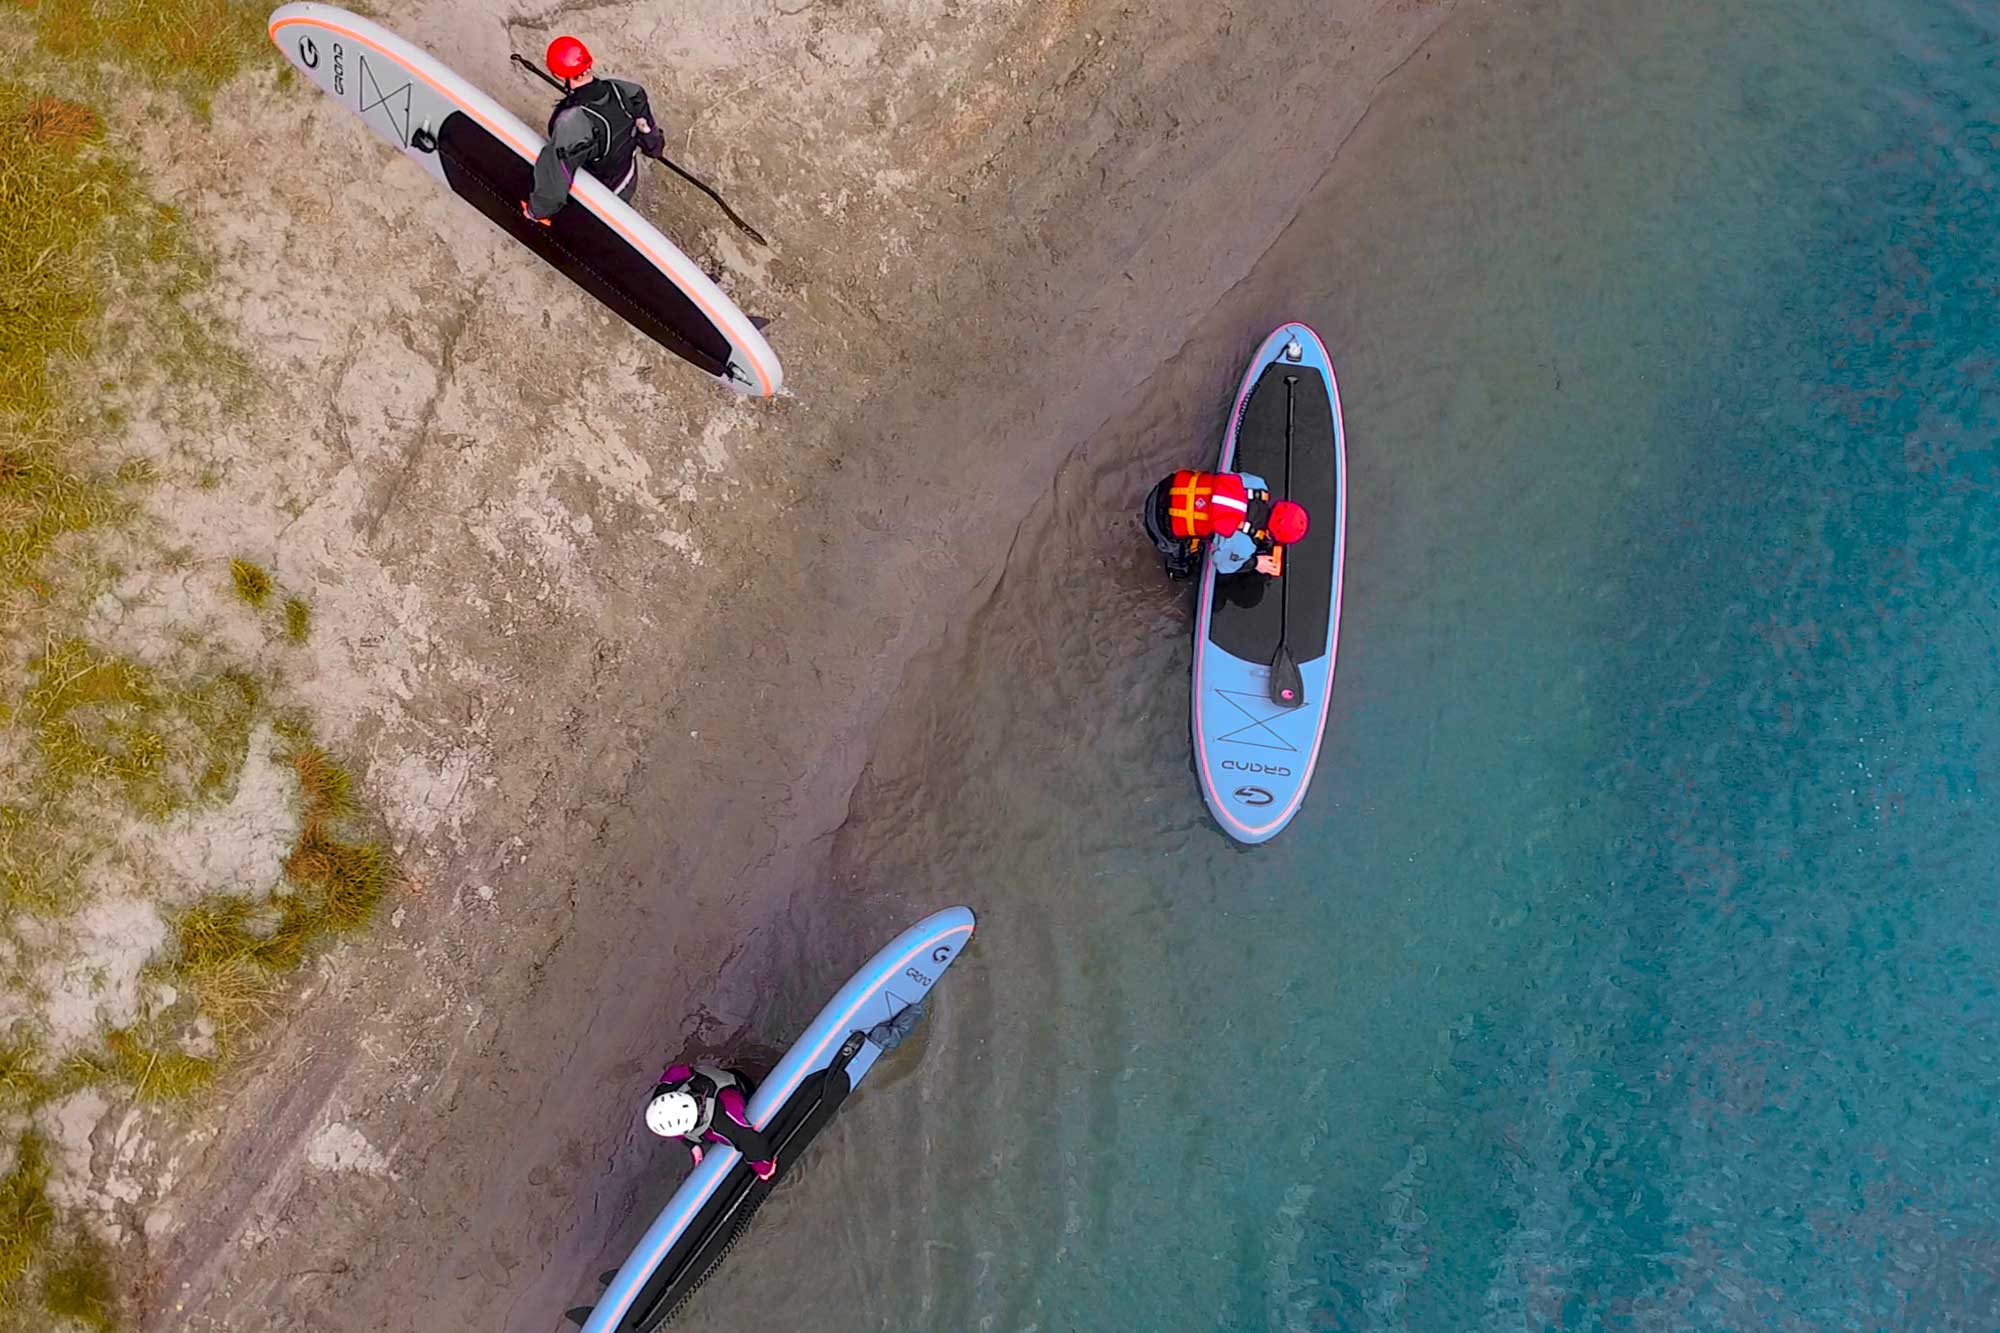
(1633, 963)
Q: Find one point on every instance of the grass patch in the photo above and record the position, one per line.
(38, 866)
(25, 1215)
(230, 953)
(325, 786)
(196, 44)
(95, 326)
(152, 1068)
(217, 715)
(224, 931)
(251, 581)
(22, 1085)
(78, 1287)
(96, 717)
(339, 881)
(56, 193)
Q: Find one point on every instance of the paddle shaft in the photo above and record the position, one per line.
(661, 158)
(1284, 584)
(1287, 688)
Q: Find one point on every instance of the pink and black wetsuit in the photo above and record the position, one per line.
(725, 1116)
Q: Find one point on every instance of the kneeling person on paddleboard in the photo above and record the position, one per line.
(1229, 512)
(600, 126)
(704, 1104)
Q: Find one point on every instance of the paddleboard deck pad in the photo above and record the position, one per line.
(714, 1205)
(1254, 756)
(485, 155)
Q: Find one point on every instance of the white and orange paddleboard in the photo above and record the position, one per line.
(485, 155)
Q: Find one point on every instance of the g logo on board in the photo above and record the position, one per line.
(308, 53)
(1253, 796)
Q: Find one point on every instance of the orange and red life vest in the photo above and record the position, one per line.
(1206, 504)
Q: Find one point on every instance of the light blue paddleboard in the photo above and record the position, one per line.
(833, 1055)
(1254, 754)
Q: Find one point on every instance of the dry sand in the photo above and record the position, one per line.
(611, 643)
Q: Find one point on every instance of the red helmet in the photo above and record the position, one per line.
(1288, 522)
(568, 58)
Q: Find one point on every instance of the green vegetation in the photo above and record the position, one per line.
(102, 719)
(94, 325)
(195, 44)
(21, 1083)
(230, 952)
(26, 1217)
(58, 191)
(79, 1288)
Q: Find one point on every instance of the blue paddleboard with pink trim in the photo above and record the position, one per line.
(1254, 749)
(714, 1204)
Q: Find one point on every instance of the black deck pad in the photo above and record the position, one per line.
(715, 1228)
(494, 179)
(1248, 611)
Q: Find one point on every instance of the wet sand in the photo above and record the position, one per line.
(978, 262)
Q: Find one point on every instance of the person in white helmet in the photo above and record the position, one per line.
(704, 1104)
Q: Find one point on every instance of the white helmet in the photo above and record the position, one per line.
(672, 1114)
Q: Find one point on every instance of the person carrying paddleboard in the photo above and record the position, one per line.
(601, 126)
(1230, 513)
(704, 1104)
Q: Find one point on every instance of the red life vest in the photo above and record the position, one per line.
(1206, 504)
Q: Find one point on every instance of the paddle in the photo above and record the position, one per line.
(1288, 687)
(661, 158)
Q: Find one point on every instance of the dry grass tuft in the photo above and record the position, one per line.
(224, 931)
(155, 1072)
(51, 120)
(325, 785)
(252, 581)
(298, 619)
(340, 882)
(22, 1084)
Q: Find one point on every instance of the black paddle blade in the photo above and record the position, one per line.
(578, 1316)
(604, 1278)
(1288, 688)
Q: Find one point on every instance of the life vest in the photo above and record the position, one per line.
(707, 1083)
(1206, 504)
(614, 142)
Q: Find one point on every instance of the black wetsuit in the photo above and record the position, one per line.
(708, 1091)
(595, 128)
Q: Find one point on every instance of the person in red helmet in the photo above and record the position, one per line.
(1230, 514)
(601, 125)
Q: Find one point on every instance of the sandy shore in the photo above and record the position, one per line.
(613, 644)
